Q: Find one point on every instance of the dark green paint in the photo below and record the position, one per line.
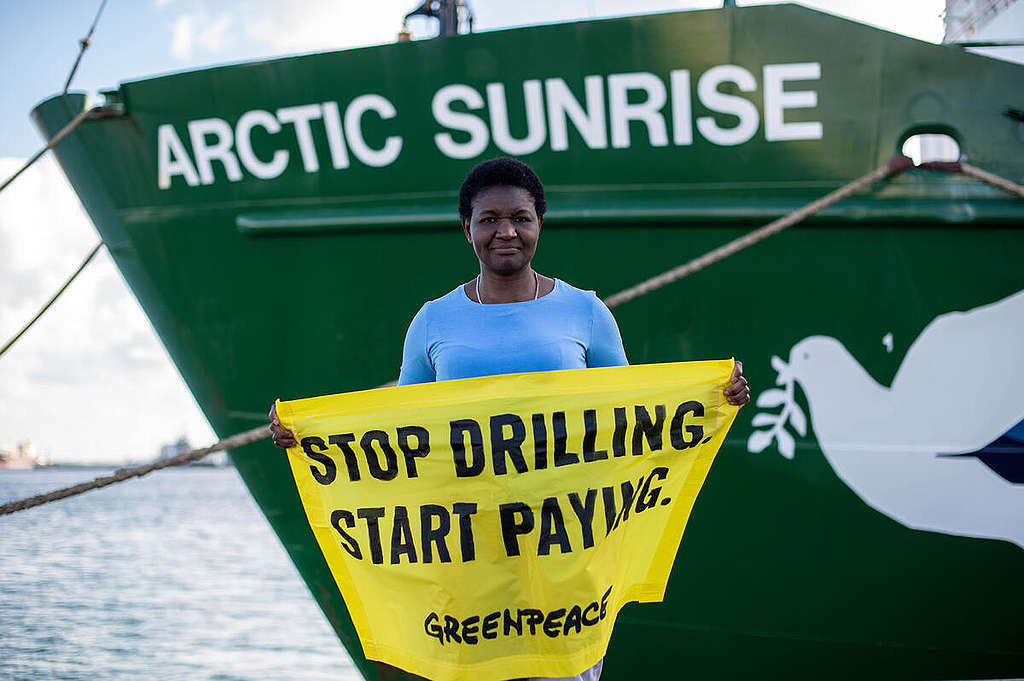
(783, 570)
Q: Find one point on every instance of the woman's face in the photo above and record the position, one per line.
(503, 229)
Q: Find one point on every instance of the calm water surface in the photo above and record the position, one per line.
(173, 576)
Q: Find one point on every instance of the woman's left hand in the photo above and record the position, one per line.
(737, 392)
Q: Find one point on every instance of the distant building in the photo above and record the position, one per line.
(172, 450)
(182, 445)
(22, 456)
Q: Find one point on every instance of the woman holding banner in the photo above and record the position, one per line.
(509, 318)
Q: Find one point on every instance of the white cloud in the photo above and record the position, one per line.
(204, 29)
(196, 32)
(90, 381)
(289, 26)
(182, 35)
(216, 37)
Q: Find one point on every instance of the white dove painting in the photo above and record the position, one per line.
(942, 448)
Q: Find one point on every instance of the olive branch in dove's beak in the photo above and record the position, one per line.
(791, 414)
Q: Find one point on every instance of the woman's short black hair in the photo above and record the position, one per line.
(500, 172)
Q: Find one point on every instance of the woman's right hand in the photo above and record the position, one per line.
(283, 437)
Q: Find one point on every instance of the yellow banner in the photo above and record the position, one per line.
(491, 528)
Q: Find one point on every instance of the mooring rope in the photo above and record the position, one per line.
(994, 180)
(897, 165)
(83, 46)
(52, 299)
(49, 145)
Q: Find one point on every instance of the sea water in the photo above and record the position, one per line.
(173, 576)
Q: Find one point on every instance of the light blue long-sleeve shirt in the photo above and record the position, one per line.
(454, 337)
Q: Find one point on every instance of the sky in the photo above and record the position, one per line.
(91, 383)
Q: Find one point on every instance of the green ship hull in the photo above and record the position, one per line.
(282, 221)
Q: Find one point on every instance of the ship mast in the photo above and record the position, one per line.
(453, 16)
(965, 18)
